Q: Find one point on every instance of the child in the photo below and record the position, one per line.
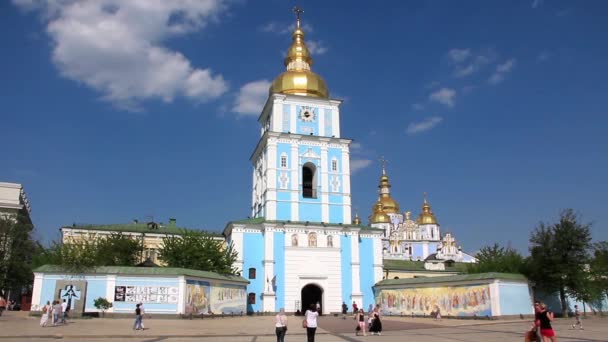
(577, 317)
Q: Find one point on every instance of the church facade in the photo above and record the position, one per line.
(300, 245)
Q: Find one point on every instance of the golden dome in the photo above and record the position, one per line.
(379, 216)
(426, 216)
(389, 205)
(299, 79)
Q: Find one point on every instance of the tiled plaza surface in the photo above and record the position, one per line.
(17, 326)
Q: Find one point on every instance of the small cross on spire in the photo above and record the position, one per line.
(383, 162)
(424, 194)
(298, 12)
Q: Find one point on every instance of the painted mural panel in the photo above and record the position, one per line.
(228, 299)
(197, 297)
(451, 300)
(146, 294)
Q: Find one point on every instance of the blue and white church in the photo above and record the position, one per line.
(301, 246)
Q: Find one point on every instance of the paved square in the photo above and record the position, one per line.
(17, 326)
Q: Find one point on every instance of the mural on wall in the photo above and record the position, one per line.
(146, 294)
(73, 292)
(228, 299)
(197, 297)
(451, 300)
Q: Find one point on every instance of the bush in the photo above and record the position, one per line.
(102, 304)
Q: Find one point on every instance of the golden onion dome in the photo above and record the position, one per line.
(379, 216)
(357, 220)
(389, 205)
(426, 216)
(299, 79)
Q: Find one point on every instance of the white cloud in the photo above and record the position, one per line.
(274, 27)
(445, 96)
(537, 3)
(116, 47)
(251, 98)
(476, 64)
(359, 164)
(355, 146)
(425, 125)
(459, 55)
(316, 47)
(501, 70)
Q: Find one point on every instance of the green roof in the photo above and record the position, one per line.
(148, 271)
(410, 265)
(260, 220)
(137, 228)
(453, 278)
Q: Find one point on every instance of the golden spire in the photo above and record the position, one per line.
(357, 220)
(299, 79)
(389, 205)
(426, 216)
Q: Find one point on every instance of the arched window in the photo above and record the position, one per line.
(312, 240)
(294, 240)
(251, 298)
(309, 180)
(252, 273)
(283, 160)
(330, 241)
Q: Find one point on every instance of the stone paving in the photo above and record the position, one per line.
(17, 326)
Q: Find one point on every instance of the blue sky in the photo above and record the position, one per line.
(117, 110)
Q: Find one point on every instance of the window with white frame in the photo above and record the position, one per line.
(334, 165)
(283, 160)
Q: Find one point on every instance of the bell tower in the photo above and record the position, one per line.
(301, 165)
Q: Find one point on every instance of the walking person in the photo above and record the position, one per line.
(2, 305)
(280, 324)
(310, 322)
(360, 318)
(64, 312)
(344, 310)
(546, 330)
(137, 324)
(376, 327)
(143, 312)
(577, 317)
(46, 311)
(56, 312)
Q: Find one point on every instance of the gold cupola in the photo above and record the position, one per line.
(426, 216)
(299, 79)
(378, 216)
(389, 205)
(357, 219)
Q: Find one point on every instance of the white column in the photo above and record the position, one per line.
(321, 122)
(37, 292)
(495, 298)
(346, 185)
(111, 284)
(271, 180)
(335, 118)
(237, 242)
(268, 295)
(181, 290)
(295, 180)
(357, 296)
(293, 119)
(324, 185)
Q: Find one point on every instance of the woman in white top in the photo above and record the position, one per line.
(46, 312)
(280, 323)
(311, 322)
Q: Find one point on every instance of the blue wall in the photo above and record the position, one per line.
(48, 290)
(366, 260)
(279, 269)
(96, 287)
(253, 254)
(286, 124)
(514, 299)
(310, 212)
(347, 272)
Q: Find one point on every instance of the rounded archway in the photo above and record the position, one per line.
(311, 295)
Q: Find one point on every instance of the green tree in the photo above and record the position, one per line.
(199, 251)
(558, 253)
(599, 271)
(16, 250)
(80, 256)
(498, 259)
(102, 304)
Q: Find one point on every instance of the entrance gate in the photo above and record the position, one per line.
(311, 294)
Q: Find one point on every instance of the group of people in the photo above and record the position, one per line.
(541, 328)
(370, 322)
(56, 313)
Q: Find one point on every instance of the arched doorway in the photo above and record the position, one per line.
(312, 294)
(309, 180)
